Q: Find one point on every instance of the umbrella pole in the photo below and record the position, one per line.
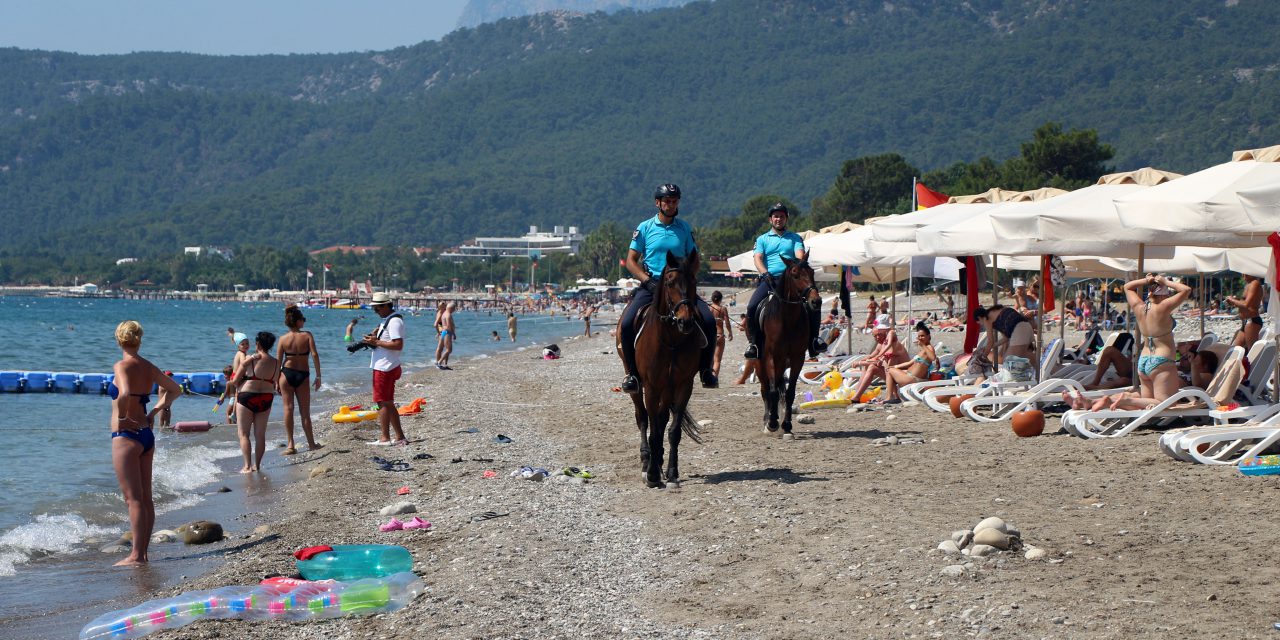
(1201, 296)
(995, 279)
(1137, 330)
(893, 301)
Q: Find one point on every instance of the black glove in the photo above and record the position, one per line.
(770, 280)
(650, 285)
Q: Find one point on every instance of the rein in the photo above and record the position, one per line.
(803, 297)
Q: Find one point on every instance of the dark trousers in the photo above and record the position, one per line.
(753, 317)
(641, 297)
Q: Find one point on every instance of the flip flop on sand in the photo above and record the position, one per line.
(487, 515)
(289, 451)
(574, 472)
(502, 439)
(402, 491)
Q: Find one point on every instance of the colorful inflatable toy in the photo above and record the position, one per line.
(274, 601)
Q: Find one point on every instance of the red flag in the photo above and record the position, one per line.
(1046, 284)
(926, 197)
(971, 328)
(327, 268)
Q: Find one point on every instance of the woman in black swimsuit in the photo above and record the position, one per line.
(294, 348)
(257, 385)
(133, 445)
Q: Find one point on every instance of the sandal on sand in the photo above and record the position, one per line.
(417, 523)
(574, 472)
(402, 491)
(487, 515)
(502, 439)
(392, 525)
(380, 443)
(289, 451)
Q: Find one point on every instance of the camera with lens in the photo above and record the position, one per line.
(352, 348)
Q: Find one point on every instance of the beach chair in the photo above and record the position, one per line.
(1188, 403)
(939, 398)
(1240, 423)
(915, 391)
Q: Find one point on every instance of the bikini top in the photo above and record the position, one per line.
(143, 398)
(300, 353)
(253, 376)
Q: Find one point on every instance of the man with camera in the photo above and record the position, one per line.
(387, 342)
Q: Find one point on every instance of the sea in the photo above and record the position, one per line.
(59, 500)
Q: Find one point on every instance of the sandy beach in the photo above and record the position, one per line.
(825, 536)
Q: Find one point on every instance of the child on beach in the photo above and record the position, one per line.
(133, 444)
(242, 351)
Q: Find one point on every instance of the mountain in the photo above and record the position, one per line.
(478, 12)
(572, 119)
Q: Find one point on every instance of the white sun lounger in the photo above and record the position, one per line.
(1113, 423)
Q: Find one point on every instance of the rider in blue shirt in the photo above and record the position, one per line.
(646, 259)
(771, 247)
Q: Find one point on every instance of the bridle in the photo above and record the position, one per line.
(803, 297)
(683, 326)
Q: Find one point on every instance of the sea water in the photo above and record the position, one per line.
(58, 494)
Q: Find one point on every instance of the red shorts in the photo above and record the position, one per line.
(384, 385)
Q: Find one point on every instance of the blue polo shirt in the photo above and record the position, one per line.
(773, 247)
(653, 240)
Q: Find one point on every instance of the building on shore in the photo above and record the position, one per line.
(531, 245)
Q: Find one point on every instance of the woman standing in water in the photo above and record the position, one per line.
(133, 444)
(295, 347)
(256, 378)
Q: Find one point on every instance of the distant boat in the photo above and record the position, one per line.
(345, 303)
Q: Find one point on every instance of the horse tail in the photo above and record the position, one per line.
(690, 427)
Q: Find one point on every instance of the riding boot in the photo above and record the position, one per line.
(753, 330)
(816, 344)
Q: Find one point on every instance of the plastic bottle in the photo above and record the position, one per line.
(355, 561)
(259, 602)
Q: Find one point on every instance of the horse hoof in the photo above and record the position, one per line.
(788, 436)
(673, 484)
(770, 428)
(655, 484)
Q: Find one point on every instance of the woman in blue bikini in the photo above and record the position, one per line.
(914, 370)
(1157, 367)
(133, 445)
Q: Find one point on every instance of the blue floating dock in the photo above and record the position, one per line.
(205, 382)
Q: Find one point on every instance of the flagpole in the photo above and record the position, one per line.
(911, 266)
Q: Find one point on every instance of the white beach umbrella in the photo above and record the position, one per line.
(1205, 205)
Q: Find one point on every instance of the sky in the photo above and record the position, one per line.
(224, 27)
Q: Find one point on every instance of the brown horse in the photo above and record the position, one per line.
(667, 350)
(784, 320)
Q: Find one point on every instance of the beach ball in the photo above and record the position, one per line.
(955, 404)
(1028, 423)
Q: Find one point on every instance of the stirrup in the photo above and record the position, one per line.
(630, 384)
(753, 352)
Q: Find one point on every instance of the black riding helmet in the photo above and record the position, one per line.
(778, 207)
(666, 191)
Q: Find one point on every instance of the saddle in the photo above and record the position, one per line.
(642, 319)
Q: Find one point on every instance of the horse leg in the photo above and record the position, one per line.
(790, 397)
(678, 413)
(657, 426)
(642, 422)
(769, 391)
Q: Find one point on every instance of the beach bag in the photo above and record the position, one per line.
(1016, 369)
(551, 352)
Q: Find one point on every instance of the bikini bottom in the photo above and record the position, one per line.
(255, 402)
(295, 377)
(1147, 364)
(145, 437)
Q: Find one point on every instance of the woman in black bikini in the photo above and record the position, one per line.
(294, 348)
(257, 385)
(133, 445)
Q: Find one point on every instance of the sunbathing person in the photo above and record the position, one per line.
(1115, 357)
(1157, 367)
(888, 352)
(1250, 317)
(914, 370)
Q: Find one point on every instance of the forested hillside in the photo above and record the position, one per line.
(478, 12)
(557, 120)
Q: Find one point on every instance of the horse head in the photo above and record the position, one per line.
(678, 292)
(798, 284)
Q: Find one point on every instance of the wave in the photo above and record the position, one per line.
(49, 534)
